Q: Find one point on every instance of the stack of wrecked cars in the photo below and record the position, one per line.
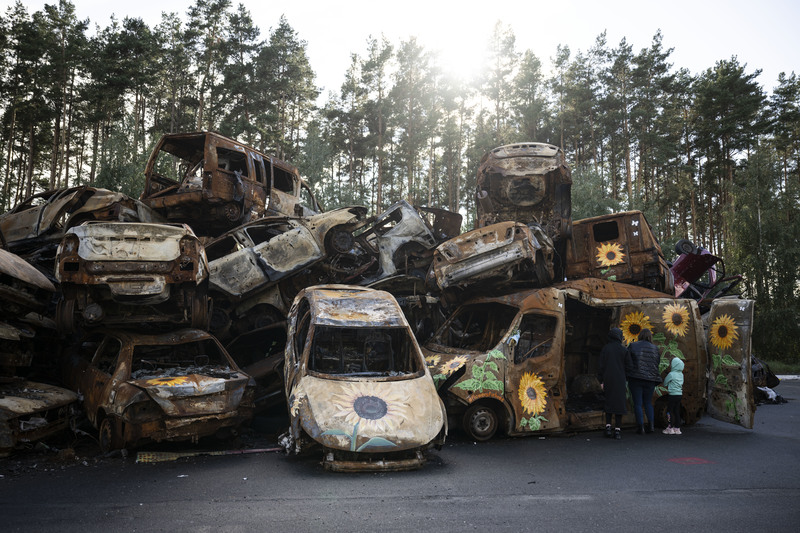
(226, 289)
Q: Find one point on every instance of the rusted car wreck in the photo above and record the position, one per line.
(138, 388)
(131, 273)
(526, 362)
(356, 383)
(213, 182)
(526, 182)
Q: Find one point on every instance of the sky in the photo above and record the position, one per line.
(761, 35)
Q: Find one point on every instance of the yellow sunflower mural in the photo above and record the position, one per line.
(168, 381)
(610, 254)
(723, 332)
(453, 364)
(379, 409)
(633, 324)
(676, 319)
(532, 393)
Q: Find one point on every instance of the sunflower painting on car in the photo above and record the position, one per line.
(633, 324)
(533, 397)
(730, 386)
(609, 254)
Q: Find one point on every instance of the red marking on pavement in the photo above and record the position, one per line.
(691, 461)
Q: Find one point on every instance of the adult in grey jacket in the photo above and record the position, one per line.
(643, 376)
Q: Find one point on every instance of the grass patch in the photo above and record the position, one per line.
(780, 367)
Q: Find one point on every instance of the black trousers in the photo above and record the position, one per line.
(674, 410)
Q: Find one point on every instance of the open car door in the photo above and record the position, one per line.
(730, 383)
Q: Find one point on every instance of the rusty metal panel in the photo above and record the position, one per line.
(526, 182)
(618, 247)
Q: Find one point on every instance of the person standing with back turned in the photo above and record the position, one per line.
(674, 384)
(611, 373)
(643, 376)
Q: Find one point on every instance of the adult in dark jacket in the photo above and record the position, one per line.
(643, 376)
(613, 359)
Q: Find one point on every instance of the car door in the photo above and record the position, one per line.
(730, 383)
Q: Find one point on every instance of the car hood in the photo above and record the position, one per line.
(28, 397)
(368, 415)
(195, 394)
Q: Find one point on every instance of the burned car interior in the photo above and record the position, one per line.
(361, 352)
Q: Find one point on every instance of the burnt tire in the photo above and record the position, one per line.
(65, 316)
(109, 435)
(685, 246)
(480, 422)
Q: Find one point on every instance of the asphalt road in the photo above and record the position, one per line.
(715, 476)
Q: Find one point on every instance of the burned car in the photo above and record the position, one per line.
(618, 247)
(138, 388)
(526, 182)
(31, 412)
(500, 254)
(403, 237)
(246, 263)
(526, 363)
(356, 383)
(116, 273)
(215, 183)
(34, 228)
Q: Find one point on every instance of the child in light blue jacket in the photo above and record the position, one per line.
(674, 384)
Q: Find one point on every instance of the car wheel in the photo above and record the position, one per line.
(108, 435)
(685, 246)
(65, 316)
(480, 422)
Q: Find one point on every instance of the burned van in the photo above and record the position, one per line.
(526, 182)
(356, 383)
(215, 183)
(618, 247)
(116, 273)
(526, 363)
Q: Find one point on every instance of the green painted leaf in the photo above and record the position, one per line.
(468, 384)
(437, 378)
(491, 365)
(478, 372)
(659, 338)
(336, 432)
(663, 364)
(493, 384)
(523, 423)
(495, 354)
(729, 361)
(377, 442)
(535, 424)
(716, 361)
(721, 381)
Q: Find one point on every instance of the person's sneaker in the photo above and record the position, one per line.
(617, 434)
(676, 431)
(608, 430)
(667, 431)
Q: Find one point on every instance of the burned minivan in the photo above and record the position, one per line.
(175, 386)
(356, 383)
(526, 182)
(215, 183)
(527, 362)
(618, 247)
(116, 273)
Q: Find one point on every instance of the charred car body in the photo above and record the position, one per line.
(618, 247)
(35, 227)
(131, 273)
(526, 182)
(527, 362)
(212, 182)
(356, 382)
(502, 253)
(137, 388)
